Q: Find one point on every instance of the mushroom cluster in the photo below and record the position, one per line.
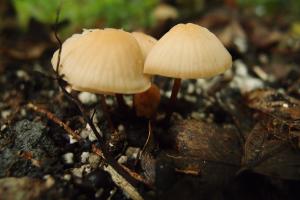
(113, 61)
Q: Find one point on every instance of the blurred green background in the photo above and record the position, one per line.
(131, 14)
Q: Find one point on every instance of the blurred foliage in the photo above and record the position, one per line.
(288, 7)
(127, 14)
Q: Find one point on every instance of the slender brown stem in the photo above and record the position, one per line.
(106, 112)
(175, 90)
(121, 101)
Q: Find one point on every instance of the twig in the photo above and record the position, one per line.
(55, 119)
(108, 158)
(120, 181)
(148, 138)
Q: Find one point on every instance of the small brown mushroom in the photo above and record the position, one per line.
(146, 103)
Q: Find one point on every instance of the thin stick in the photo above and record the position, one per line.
(148, 139)
(55, 119)
(175, 90)
(107, 113)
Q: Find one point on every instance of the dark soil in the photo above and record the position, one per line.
(235, 136)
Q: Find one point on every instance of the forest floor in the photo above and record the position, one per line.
(235, 136)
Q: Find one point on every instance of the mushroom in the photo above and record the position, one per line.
(187, 51)
(145, 41)
(146, 103)
(107, 61)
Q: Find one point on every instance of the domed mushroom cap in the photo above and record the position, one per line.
(188, 51)
(145, 41)
(103, 61)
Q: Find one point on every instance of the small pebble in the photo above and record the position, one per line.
(92, 137)
(242, 80)
(168, 93)
(132, 152)
(68, 89)
(50, 181)
(191, 88)
(77, 172)
(109, 101)
(200, 82)
(84, 133)
(94, 160)
(72, 140)
(198, 90)
(84, 157)
(22, 75)
(87, 98)
(3, 127)
(23, 112)
(88, 133)
(5, 114)
(197, 115)
(241, 44)
(123, 159)
(190, 98)
(84, 169)
(99, 193)
(68, 158)
(67, 177)
(128, 100)
(121, 128)
(263, 58)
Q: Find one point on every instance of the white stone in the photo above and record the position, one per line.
(92, 137)
(241, 44)
(128, 100)
(94, 160)
(84, 133)
(50, 181)
(241, 68)
(123, 159)
(5, 114)
(22, 75)
(191, 88)
(121, 127)
(87, 98)
(84, 157)
(68, 158)
(132, 152)
(190, 98)
(67, 177)
(242, 80)
(109, 101)
(197, 115)
(3, 127)
(72, 140)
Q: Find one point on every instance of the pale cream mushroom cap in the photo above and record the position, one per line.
(103, 61)
(188, 51)
(145, 41)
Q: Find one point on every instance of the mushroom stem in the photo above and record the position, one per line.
(106, 112)
(175, 90)
(121, 101)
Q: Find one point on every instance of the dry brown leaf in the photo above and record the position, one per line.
(268, 150)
